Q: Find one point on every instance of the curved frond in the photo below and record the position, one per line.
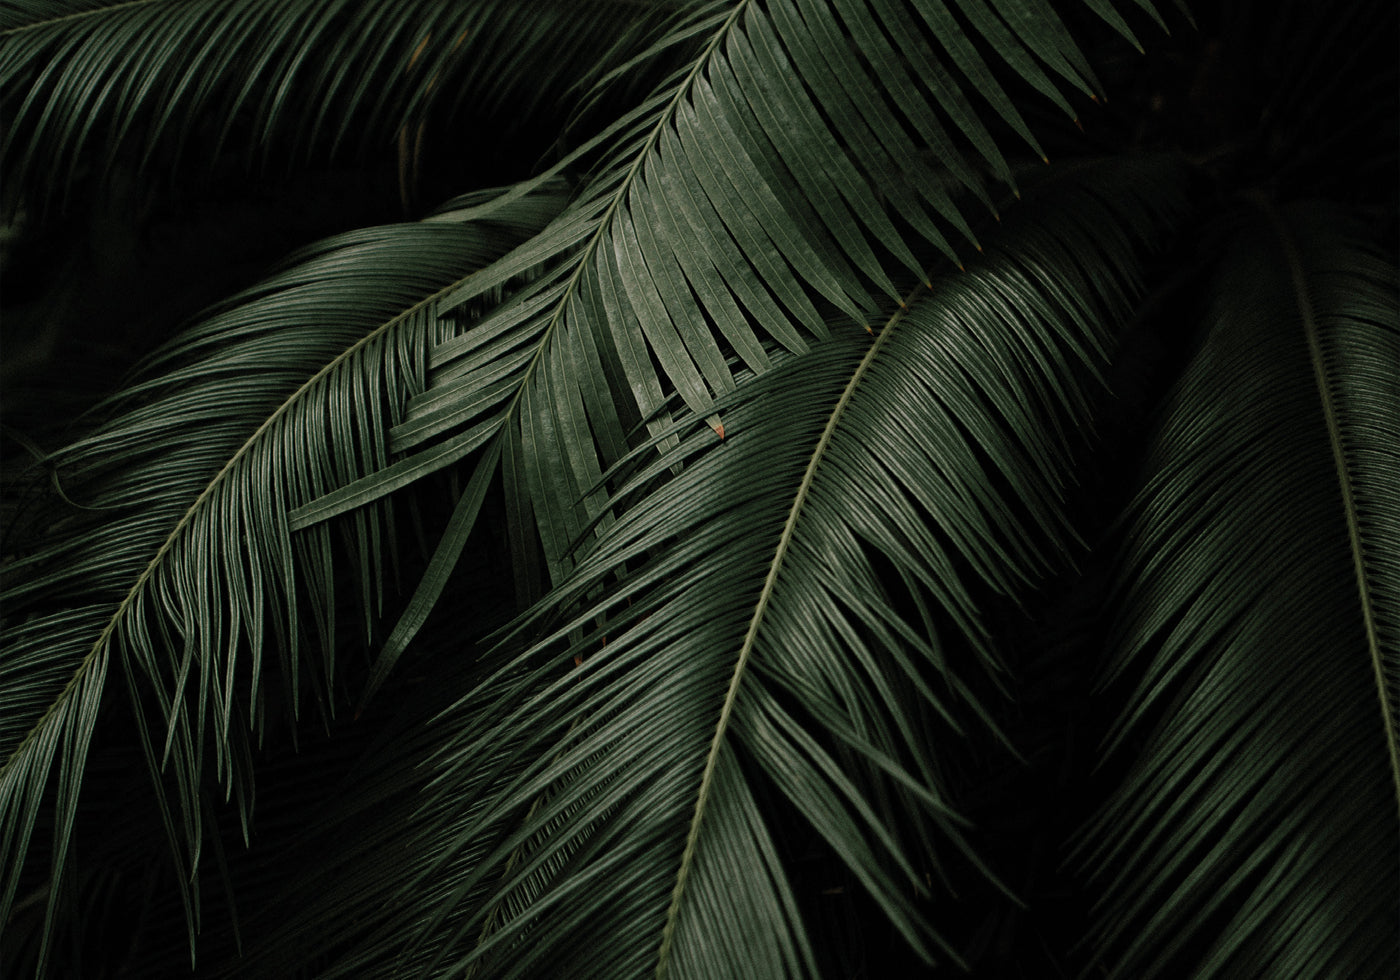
(797, 164)
(85, 81)
(1258, 833)
(181, 570)
(791, 621)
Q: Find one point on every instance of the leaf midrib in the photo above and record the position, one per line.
(1303, 298)
(623, 188)
(150, 569)
(585, 253)
(755, 623)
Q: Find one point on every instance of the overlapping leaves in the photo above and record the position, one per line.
(776, 176)
(180, 568)
(793, 165)
(1258, 832)
(793, 618)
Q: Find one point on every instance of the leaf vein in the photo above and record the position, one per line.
(765, 596)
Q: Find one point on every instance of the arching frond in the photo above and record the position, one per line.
(84, 81)
(1258, 833)
(796, 163)
(180, 569)
(793, 618)
(804, 164)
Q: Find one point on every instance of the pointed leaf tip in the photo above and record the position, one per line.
(719, 430)
(578, 661)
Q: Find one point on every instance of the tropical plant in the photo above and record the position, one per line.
(878, 487)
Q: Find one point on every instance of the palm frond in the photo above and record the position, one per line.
(1256, 834)
(793, 618)
(82, 85)
(182, 569)
(801, 166)
(796, 162)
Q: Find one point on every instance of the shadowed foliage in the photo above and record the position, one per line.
(840, 488)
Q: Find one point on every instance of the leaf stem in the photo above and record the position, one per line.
(189, 514)
(755, 623)
(1298, 276)
(623, 187)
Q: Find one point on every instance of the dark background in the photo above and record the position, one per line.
(91, 282)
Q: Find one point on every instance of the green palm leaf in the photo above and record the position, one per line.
(1257, 832)
(796, 160)
(793, 618)
(799, 167)
(85, 81)
(182, 570)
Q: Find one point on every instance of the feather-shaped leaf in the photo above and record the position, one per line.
(793, 172)
(794, 618)
(795, 162)
(183, 569)
(1258, 833)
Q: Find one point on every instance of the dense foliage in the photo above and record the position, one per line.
(719, 488)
